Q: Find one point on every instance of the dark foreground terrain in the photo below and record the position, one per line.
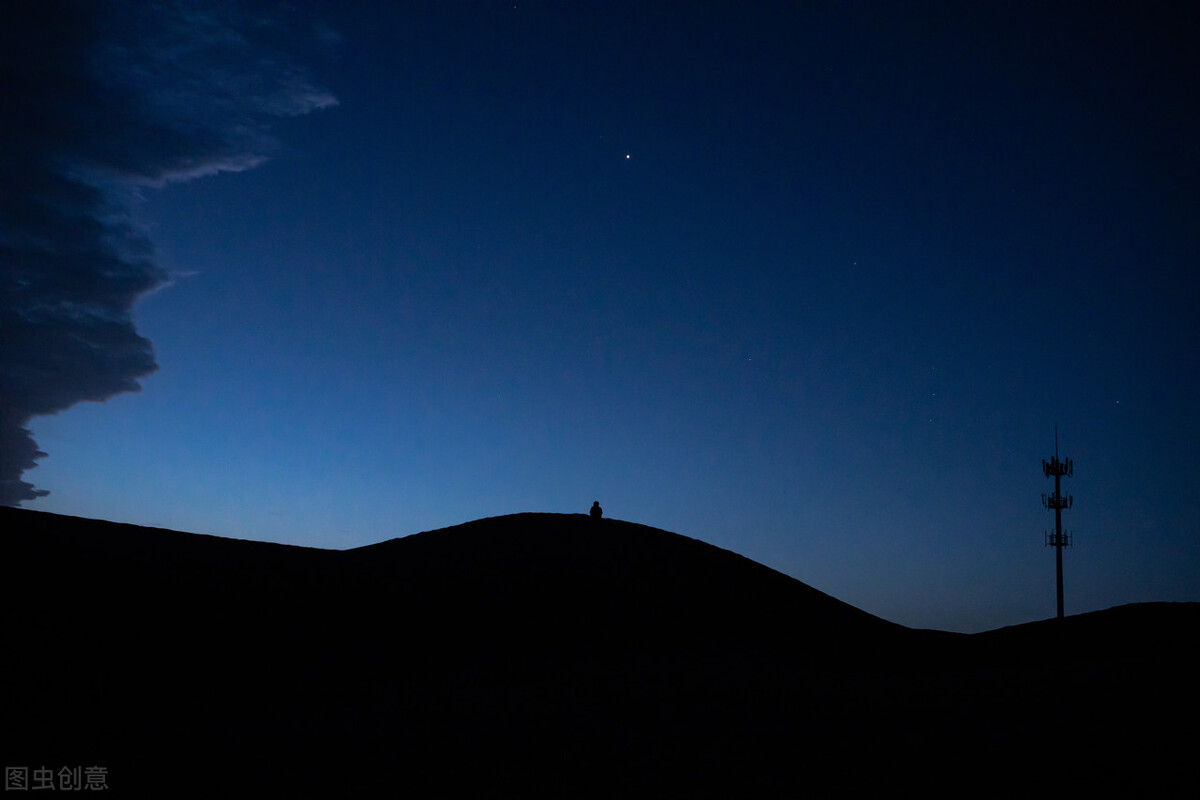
(548, 655)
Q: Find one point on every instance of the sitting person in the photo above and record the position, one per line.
(597, 512)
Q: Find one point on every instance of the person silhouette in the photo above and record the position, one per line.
(597, 512)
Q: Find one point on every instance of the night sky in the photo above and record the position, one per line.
(813, 282)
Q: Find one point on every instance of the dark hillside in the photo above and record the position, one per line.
(556, 581)
(550, 655)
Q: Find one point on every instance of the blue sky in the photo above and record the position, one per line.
(810, 282)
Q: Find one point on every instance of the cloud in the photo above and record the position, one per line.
(103, 100)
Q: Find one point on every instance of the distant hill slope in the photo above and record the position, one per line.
(551, 655)
(566, 578)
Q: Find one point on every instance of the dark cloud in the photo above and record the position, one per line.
(99, 101)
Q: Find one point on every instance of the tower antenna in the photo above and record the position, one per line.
(1056, 503)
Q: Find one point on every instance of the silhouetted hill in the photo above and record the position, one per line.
(558, 580)
(552, 655)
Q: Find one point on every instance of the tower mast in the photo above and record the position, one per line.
(1056, 503)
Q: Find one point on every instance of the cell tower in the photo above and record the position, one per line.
(1057, 502)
